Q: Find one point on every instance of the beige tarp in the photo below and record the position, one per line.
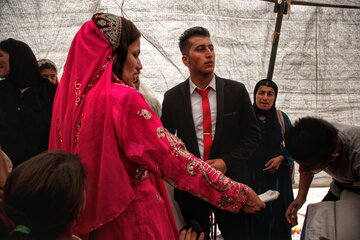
(317, 66)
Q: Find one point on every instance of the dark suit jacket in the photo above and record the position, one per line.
(237, 133)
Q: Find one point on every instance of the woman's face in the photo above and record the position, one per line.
(132, 64)
(265, 97)
(4, 64)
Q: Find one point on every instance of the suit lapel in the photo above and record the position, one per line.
(220, 113)
(187, 117)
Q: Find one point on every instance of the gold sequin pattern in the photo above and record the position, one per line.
(90, 84)
(144, 113)
(177, 147)
(220, 182)
(227, 202)
(77, 93)
(170, 181)
(140, 174)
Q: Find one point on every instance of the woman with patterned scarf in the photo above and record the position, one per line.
(122, 143)
(269, 166)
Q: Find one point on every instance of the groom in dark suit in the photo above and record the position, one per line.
(215, 119)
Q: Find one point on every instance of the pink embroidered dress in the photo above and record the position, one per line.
(125, 149)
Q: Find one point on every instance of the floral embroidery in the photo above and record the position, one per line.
(158, 197)
(145, 113)
(90, 84)
(77, 93)
(77, 129)
(177, 147)
(140, 174)
(224, 202)
(233, 203)
(110, 26)
(212, 176)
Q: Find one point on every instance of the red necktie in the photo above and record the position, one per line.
(207, 132)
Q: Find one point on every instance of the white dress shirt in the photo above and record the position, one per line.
(197, 112)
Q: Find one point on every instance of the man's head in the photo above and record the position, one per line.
(312, 142)
(197, 50)
(184, 43)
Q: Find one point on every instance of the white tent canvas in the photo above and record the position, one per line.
(317, 64)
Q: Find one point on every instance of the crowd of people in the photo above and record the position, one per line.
(91, 161)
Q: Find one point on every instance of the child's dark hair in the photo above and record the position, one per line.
(48, 66)
(46, 194)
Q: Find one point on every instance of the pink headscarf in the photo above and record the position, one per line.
(87, 76)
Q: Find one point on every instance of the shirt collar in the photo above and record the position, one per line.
(211, 84)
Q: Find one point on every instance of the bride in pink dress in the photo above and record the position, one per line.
(127, 152)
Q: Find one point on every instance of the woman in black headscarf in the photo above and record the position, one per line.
(25, 102)
(269, 166)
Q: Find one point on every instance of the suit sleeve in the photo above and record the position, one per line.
(166, 116)
(146, 143)
(249, 136)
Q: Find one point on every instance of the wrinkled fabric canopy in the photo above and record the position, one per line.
(317, 65)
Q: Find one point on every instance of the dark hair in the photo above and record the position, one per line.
(49, 190)
(184, 43)
(47, 66)
(5, 46)
(311, 140)
(129, 34)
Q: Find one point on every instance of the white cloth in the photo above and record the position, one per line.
(334, 220)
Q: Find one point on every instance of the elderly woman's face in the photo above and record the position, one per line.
(265, 97)
(4, 64)
(132, 64)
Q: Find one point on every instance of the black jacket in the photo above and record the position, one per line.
(237, 134)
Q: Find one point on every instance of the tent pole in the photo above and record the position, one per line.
(281, 9)
(314, 4)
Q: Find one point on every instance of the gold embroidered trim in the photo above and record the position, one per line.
(177, 147)
(145, 113)
(77, 129)
(115, 79)
(140, 174)
(224, 201)
(90, 84)
(212, 176)
(60, 140)
(232, 203)
(170, 181)
(158, 197)
(77, 93)
(222, 183)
